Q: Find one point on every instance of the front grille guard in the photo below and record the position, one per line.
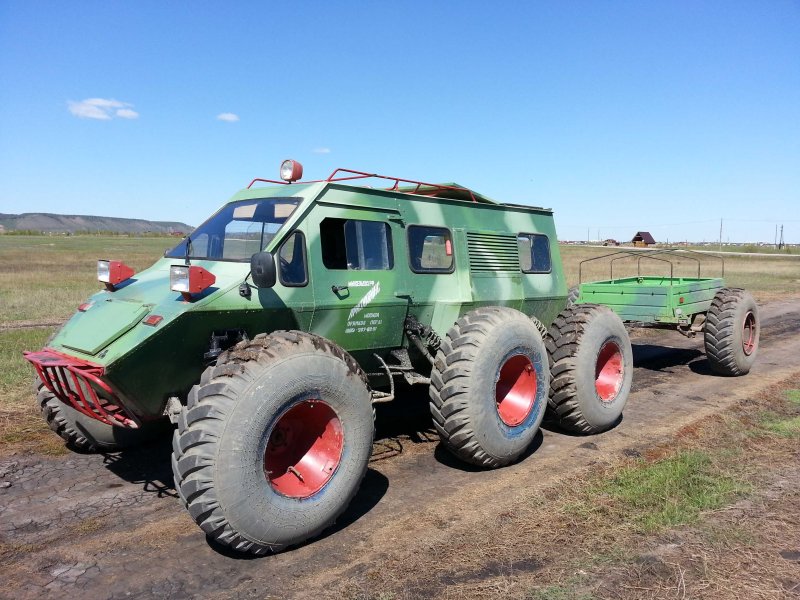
(78, 384)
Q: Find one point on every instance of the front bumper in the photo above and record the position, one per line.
(78, 383)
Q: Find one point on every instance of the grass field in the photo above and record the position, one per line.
(44, 278)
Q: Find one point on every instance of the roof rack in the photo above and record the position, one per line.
(420, 187)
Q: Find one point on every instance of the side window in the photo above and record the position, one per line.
(356, 245)
(534, 253)
(430, 249)
(292, 261)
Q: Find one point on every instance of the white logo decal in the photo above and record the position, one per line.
(368, 297)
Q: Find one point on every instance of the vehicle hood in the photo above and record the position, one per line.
(109, 315)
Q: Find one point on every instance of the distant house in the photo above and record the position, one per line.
(610, 242)
(643, 238)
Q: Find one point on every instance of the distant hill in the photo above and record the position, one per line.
(52, 223)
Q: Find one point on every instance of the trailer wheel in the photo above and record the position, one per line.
(591, 367)
(274, 442)
(85, 434)
(489, 386)
(732, 330)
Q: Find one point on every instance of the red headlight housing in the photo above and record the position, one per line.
(291, 170)
(113, 272)
(189, 280)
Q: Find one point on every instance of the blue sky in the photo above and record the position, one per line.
(619, 115)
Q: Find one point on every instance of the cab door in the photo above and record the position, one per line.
(358, 261)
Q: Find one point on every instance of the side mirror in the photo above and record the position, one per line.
(262, 269)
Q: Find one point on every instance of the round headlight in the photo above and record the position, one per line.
(291, 170)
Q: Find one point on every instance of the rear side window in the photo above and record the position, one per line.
(430, 249)
(534, 253)
(356, 245)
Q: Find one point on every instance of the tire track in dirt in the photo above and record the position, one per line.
(111, 526)
(11, 325)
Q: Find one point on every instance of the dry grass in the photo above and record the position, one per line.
(21, 425)
(592, 536)
(46, 278)
(43, 279)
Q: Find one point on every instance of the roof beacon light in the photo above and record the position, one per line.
(189, 280)
(291, 171)
(112, 273)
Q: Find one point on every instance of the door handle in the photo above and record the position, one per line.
(339, 288)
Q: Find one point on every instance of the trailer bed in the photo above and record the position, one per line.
(649, 299)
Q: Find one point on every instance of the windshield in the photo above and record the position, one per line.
(237, 231)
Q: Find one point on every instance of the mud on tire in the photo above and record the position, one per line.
(260, 419)
(489, 386)
(732, 330)
(591, 367)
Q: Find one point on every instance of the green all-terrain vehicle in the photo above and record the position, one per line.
(269, 333)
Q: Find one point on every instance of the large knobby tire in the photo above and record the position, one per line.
(489, 386)
(732, 330)
(85, 434)
(274, 441)
(591, 367)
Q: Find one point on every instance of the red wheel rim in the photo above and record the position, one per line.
(749, 333)
(304, 449)
(608, 374)
(515, 392)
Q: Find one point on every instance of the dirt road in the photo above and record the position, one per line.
(112, 527)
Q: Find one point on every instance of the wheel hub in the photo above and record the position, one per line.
(609, 373)
(304, 449)
(515, 391)
(749, 333)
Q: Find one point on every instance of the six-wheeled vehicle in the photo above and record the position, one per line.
(269, 333)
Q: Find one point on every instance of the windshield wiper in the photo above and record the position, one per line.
(188, 250)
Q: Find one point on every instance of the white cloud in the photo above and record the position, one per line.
(228, 117)
(102, 109)
(321, 150)
(127, 113)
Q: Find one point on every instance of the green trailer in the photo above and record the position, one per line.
(654, 300)
(727, 317)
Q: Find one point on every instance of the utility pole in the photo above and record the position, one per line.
(776, 235)
(720, 235)
(780, 243)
